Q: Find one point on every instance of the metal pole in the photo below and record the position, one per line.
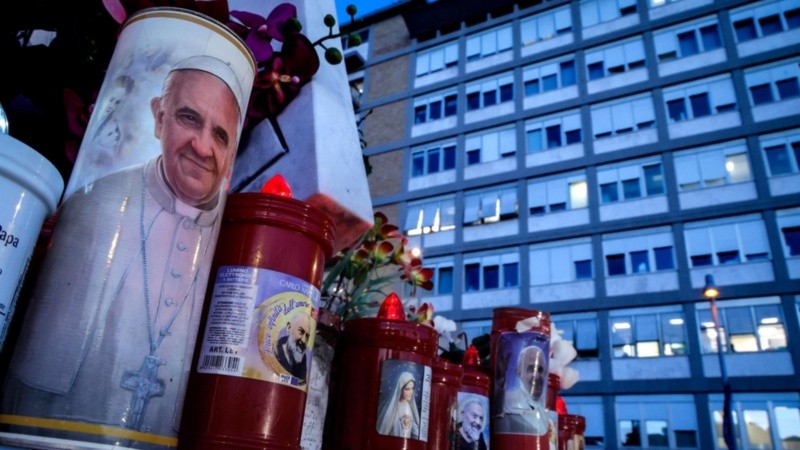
(728, 435)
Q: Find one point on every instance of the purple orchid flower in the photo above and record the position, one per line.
(261, 31)
(280, 82)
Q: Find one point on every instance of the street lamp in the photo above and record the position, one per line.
(711, 292)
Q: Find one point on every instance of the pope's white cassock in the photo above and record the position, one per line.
(95, 346)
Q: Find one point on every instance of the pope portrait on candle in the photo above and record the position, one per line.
(112, 323)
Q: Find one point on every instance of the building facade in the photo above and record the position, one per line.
(596, 160)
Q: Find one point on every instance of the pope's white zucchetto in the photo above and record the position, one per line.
(219, 69)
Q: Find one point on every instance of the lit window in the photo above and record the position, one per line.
(758, 429)
(657, 432)
(750, 329)
(787, 420)
(648, 335)
(629, 432)
(578, 195)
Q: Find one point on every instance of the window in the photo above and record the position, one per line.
(434, 106)
(657, 421)
(787, 88)
(714, 242)
(472, 277)
(432, 160)
(746, 325)
(437, 58)
(594, 12)
(687, 40)
(712, 166)
(745, 30)
(782, 152)
(788, 423)
(664, 258)
(699, 99)
(764, 19)
(431, 216)
(581, 331)
(497, 271)
(565, 192)
(443, 280)
(511, 274)
(616, 59)
(643, 179)
(700, 105)
(583, 269)
(553, 131)
(491, 205)
(592, 409)
(631, 189)
(791, 236)
(491, 145)
(548, 76)
(642, 252)
(771, 419)
(648, 333)
(560, 262)
(623, 116)
(615, 264)
(770, 25)
(490, 91)
(488, 43)
(789, 225)
(773, 83)
(546, 26)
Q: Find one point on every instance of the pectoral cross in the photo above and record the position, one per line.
(145, 385)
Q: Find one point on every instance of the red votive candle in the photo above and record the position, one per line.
(444, 397)
(571, 428)
(520, 345)
(382, 392)
(247, 387)
(473, 412)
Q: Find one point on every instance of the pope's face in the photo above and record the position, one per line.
(531, 372)
(196, 121)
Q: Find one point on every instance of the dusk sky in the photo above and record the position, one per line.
(364, 7)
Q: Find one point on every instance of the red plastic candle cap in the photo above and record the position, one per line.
(471, 357)
(561, 405)
(277, 185)
(392, 308)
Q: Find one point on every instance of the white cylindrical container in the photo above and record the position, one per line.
(104, 352)
(30, 187)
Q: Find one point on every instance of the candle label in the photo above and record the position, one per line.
(404, 402)
(520, 384)
(552, 431)
(472, 421)
(261, 325)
